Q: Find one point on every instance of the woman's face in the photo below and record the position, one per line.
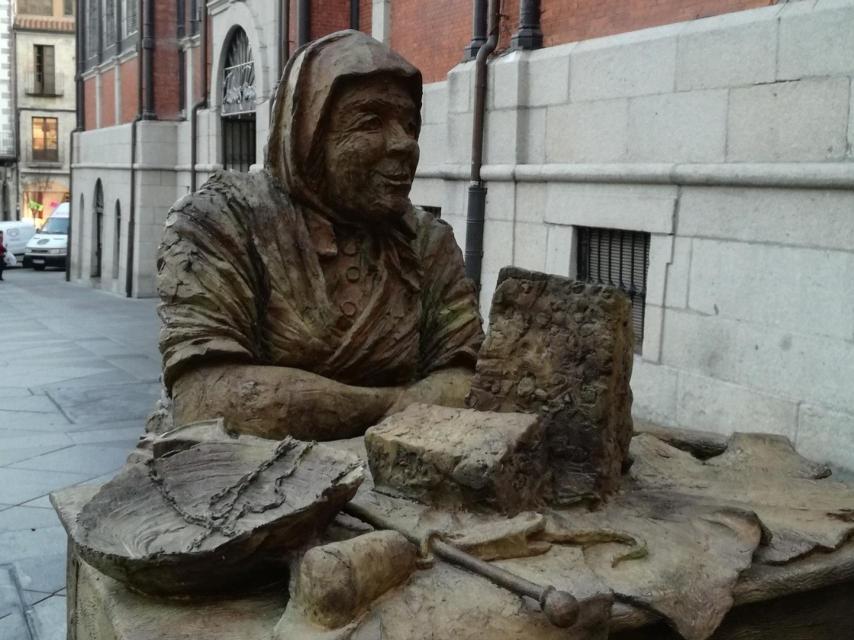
(371, 149)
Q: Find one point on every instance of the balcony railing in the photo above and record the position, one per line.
(44, 84)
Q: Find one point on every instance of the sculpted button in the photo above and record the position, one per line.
(348, 308)
(353, 274)
(350, 247)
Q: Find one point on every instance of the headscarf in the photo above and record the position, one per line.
(304, 97)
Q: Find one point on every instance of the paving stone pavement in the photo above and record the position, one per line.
(78, 374)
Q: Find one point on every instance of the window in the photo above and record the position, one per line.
(109, 23)
(130, 21)
(44, 76)
(68, 7)
(619, 259)
(238, 142)
(195, 16)
(92, 30)
(238, 104)
(436, 211)
(45, 147)
(35, 7)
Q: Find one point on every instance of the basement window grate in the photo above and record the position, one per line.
(436, 211)
(620, 259)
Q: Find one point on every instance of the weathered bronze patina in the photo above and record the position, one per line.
(309, 298)
(309, 301)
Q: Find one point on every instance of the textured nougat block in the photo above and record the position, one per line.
(562, 349)
(460, 457)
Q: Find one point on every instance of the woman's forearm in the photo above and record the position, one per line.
(274, 402)
(446, 387)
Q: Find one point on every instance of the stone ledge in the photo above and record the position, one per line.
(803, 175)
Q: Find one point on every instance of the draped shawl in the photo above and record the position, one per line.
(243, 266)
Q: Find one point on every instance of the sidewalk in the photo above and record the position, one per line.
(78, 374)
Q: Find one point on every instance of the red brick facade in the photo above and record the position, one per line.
(329, 15)
(89, 102)
(446, 25)
(432, 34)
(130, 98)
(108, 98)
(167, 86)
(584, 19)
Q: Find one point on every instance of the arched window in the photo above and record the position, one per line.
(238, 103)
(117, 244)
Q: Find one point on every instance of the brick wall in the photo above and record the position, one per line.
(130, 101)
(328, 16)
(166, 87)
(446, 24)
(365, 13)
(431, 35)
(89, 99)
(108, 98)
(583, 19)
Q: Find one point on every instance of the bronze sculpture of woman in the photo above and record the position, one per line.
(311, 298)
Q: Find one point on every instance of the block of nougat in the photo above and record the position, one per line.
(459, 457)
(562, 349)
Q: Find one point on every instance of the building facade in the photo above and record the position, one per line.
(8, 157)
(697, 154)
(45, 103)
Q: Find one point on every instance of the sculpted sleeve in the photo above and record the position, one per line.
(207, 281)
(451, 332)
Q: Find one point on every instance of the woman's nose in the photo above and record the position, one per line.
(399, 141)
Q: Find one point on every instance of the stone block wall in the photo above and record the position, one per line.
(730, 140)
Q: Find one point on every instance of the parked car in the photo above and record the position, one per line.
(49, 247)
(16, 235)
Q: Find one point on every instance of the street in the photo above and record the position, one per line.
(78, 374)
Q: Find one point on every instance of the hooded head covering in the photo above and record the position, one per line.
(305, 94)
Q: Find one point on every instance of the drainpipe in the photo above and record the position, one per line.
(148, 112)
(79, 125)
(304, 22)
(141, 6)
(286, 30)
(354, 15)
(17, 125)
(280, 48)
(478, 36)
(283, 20)
(202, 102)
(529, 35)
(477, 191)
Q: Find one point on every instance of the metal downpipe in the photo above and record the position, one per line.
(201, 102)
(476, 212)
(79, 124)
(355, 18)
(303, 22)
(133, 136)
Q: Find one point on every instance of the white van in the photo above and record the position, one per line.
(49, 247)
(16, 235)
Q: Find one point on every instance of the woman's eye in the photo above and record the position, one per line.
(370, 123)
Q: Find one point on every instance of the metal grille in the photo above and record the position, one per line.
(238, 142)
(620, 259)
(436, 211)
(238, 77)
